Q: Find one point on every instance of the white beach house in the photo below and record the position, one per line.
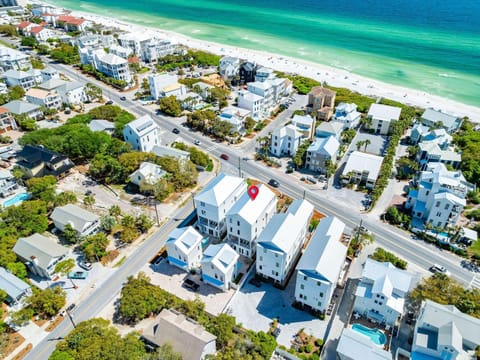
(319, 268)
(215, 201)
(184, 248)
(142, 133)
(280, 244)
(220, 266)
(381, 292)
(247, 219)
(284, 141)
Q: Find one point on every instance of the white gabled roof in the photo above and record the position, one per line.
(74, 215)
(305, 120)
(356, 346)
(185, 238)
(289, 130)
(249, 209)
(283, 229)
(142, 125)
(249, 96)
(438, 316)
(222, 256)
(151, 172)
(328, 146)
(325, 254)
(219, 189)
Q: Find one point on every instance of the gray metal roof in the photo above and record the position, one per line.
(435, 116)
(73, 215)
(12, 285)
(51, 84)
(20, 107)
(40, 247)
(101, 125)
(184, 334)
(325, 254)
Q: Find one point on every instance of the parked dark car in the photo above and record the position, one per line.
(123, 98)
(225, 157)
(274, 183)
(176, 131)
(255, 281)
(109, 102)
(190, 284)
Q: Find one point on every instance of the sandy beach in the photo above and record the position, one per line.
(322, 73)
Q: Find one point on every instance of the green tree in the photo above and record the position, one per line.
(89, 201)
(366, 143)
(170, 106)
(93, 92)
(16, 93)
(359, 144)
(145, 87)
(21, 317)
(18, 269)
(65, 54)
(64, 267)
(28, 41)
(382, 255)
(249, 123)
(143, 223)
(97, 339)
(94, 247)
(42, 188)
(107, 169)
(64, 198)
(70, 234)
(47, 302)
(222, 128)
(222, 327)
(115, 211)
(166, 352)
(162, 189)
(107, 223)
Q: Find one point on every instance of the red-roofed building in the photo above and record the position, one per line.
(24, 27)
(7, 122)
(40, 33)
(71, 23)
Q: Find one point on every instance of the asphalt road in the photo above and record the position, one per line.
(101, 297)
(386, 236)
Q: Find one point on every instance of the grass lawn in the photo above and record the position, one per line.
(474, 249)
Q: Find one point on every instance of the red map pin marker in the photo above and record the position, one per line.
(253, 191)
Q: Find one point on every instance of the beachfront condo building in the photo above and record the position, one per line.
(280, 244)
(253, 103)
(247, 219)
(439, 198)
(146, 46)
(215, 201)
(321, 100)
(362, 168)
(381, 117)
(319, 269)
(163, 85)
(142, 134)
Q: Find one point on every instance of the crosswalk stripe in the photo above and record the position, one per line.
(475, 283)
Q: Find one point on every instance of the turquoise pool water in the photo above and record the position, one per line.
(204, 242)
(375, 335)
(17, 199)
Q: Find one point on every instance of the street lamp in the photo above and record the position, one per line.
(156, 210)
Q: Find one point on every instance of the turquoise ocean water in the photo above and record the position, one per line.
(428, 45)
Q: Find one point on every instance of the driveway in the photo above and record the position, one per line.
(255, 308)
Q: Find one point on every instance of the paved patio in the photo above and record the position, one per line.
(255, 308)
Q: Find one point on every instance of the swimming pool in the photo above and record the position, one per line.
(17, 199)
(377, 336)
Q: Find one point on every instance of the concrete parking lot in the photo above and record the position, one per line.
(378, 143)
(255, 308)
(171, 278)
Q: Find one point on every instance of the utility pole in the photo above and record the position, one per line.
(193, 200)
(239, 167)
(304, 193)
(156, 210)
(71, 318)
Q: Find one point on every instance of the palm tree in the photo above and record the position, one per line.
(359, 144)
(366, 143)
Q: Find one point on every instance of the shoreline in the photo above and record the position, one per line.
(323, 73)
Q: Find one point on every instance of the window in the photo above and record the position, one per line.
(447, 206)
(276, 255)
(428, 192)
(301, 296)
(261, 258)
(264, 251)
(438, 214)
(273, 272)
(202, 203)
(437, 204)
(319, 283)
(260, 267)
(302, 286)
(321, 294)
(238, 223)
(304, 278)
(319, 304)
(212, 266)
(277, 265)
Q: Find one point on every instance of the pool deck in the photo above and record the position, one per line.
(368, 323)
